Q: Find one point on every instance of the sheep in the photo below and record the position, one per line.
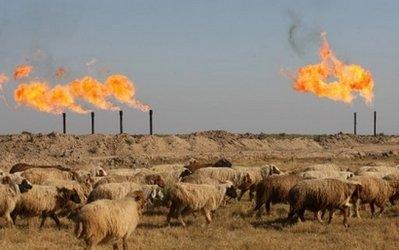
(322, 194)
(195, 165)
(105, 220)
(44, 201)
(274, 189)
(82, 187)
(318, 174)
(195, 197)
(115, 191)
(40, 175)
(377, 171)
(141, 178)
(322, 167)
(171, 173)
(90, 170)
(375, 192)
(10, 191)
(20, 167)
(257, 174)
(241, 180)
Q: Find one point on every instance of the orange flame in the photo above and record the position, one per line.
(124, 90)
(93, 92)
(348, 79)
(40, 96)
(22, 71)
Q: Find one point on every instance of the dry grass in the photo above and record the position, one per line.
(231, 229)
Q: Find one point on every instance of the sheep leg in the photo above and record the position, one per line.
(346, 212)
(125, 246)
(242, 194)
(179, 216)
(208, 216)
(357, 205)
(115, 246)
(9, 220)
(44, 217)
(302, 215)
(268, 209)
(330, 215)
(57, 221)
(382, 208)
(372, 208)
(251, 192)
(172, 213)
(319, 216)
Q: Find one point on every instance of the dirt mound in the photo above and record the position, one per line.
(112, 151)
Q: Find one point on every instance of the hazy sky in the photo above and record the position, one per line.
(204, 65)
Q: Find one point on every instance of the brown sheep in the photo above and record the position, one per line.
(274, 189)
(195, 165)
(322, 194)
(150, 179)
(41, 175)
(376, 192)
(44, 201)
(196, 197)
(106, 220)
(10, 191)
(20, 167)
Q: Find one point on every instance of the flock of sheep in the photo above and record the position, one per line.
(106, 205)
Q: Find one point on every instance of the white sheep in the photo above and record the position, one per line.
(109, 220)
(324, 174)
(195, 197)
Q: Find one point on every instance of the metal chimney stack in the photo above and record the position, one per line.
(64, 123)
(151, 112)
(121, 121)
(92, 122)
(354, 123)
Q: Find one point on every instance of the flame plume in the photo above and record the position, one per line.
(22, 71)
(123, 90)
(40, 96)
(348, 79)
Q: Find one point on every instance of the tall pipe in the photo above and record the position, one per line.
(151, 112)
(375, 123)
(121, 121)
(64, 123)
(92, 122)
(354, 123)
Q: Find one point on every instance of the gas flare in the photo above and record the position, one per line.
(92, 91)
(40, 96)
(124, 90)
(348, 79)
(22, 71)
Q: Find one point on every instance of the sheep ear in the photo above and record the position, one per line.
(6, 180)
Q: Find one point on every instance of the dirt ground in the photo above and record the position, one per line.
(231, 228)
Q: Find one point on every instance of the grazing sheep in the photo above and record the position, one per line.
(90, 170)
(331, 174)
(195, 197)
(195, 165)
(143, 178)
(322, 194)
(377, 171)
(109, 220)
(41, 175)
(115, 191)
(375, 192)
(241, 180)
(44, 201)
(10, 191)
(274, 189)
(20, 167)
(257, 175)
(322, 167)
(83, 188)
